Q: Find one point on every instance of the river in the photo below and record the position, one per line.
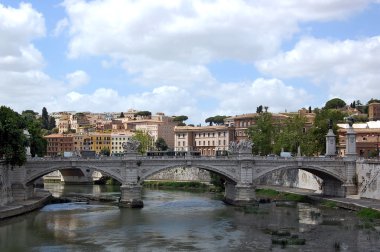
(183, 221)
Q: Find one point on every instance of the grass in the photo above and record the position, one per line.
(368, 214)
(328, 203)
(176, 185)
(275, 195)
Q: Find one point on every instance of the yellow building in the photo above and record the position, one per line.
(100, 141)
(80, 141)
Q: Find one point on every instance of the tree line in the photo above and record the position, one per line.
(18, 131)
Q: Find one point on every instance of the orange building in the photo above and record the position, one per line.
(57, 144)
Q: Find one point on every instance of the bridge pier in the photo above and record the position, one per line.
(131, 196)
(239, 194)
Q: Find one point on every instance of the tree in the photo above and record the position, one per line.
(218, 120)
(320, 127)
(373, 101)
(161, 144)
(45, 119)
(292, 135)
(335, 103)
(143, 114)
(309, 109)
(52, 124)
(12, 138)
(145, 141)
(121, 115)
(262, 134)
(180, 119)
(36, 141)
(105, 151)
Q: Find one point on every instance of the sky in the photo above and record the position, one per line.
(197, 58)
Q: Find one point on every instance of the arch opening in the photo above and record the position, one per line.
(316, 180)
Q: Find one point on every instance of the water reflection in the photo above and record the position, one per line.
(182, 221)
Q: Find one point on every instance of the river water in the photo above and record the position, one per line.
(182, 221)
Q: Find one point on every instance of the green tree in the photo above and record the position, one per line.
(335, 103)
(161, 144)
(121, 115)
(218, 120)
(145, 141)
(262, 134)
(180, 120)
(52, 124)
(143, 114)
(105, 151)
(320, 127)
(45, 118)
(36, 140)
(292, 135)
(373, 101)
(12, 138)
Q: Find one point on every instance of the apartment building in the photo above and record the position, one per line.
(57, 144)
(207, 139)
(80, 142)
(99, 141)
(374, 111)
(242, 122)
(117, 141)
(156, 126)
(367, 138)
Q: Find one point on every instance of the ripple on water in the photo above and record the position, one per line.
(73, 206)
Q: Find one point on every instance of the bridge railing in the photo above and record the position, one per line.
(140, 157)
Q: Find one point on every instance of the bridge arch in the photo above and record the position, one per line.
(229, 176)
(332, 180)
(316, 170)
(45, 171)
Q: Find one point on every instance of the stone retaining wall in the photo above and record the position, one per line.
(183, 174)
(368, 178)
(5, 185)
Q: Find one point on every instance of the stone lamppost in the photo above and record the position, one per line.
(330, 141)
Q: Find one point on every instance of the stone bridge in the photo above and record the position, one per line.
(240, 170)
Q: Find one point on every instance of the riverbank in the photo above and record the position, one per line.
(177, 185)
(22, 207)
(352, 202)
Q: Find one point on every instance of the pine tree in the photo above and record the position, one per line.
(45, 119)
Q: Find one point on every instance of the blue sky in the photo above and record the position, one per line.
(197, 58)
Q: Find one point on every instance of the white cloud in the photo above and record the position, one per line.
(197, 31)
(168, 99)
(170, 43)
(348, 69)
(23, 83)
(77, 79)
(60, 27)
(246, 97)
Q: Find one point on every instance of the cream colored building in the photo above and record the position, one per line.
(156, 126)
(207, 139)
(117, 140)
